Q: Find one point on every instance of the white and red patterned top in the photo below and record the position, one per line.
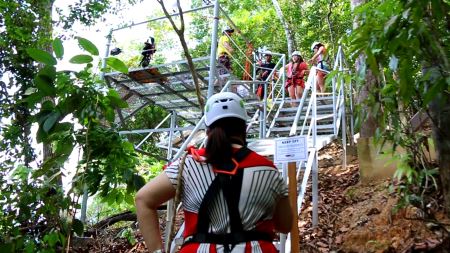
(262, 187)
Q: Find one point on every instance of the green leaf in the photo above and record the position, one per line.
(115, 99)
(78, 227)
(87, 45)
(117, 64)
(433, 92)
(64, 147)
(44, 84)
(109, 115)
(41, 56)
(21, 172)
(81, 59)
(51, 120)
(58, 48)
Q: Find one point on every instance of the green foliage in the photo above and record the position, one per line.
(58, 48)
(41, 56)
(88, 46)
(406, 47)
(81, 59)
(108, 161)
(128, 233)
(117, 64)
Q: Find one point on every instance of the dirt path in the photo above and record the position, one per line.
(354, 217)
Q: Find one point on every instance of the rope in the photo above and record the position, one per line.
(248, 63)
(176, 199)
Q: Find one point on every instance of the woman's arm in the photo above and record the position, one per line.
(148, 199)
(282, 218)
(229, 48)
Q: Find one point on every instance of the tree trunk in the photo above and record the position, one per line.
(440, 116)
(46, 31)
(287, 31)
(201, 102)
(440, 111)
(180, 33)
(125, 216)
(369, 124)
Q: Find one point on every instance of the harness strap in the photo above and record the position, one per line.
(229, 238)
(218, 183)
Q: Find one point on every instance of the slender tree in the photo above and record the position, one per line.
(369, 123)
(287, 31)
(180, 32)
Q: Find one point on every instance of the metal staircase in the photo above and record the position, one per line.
(319, 117)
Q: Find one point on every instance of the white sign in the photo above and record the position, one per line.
(291, 149)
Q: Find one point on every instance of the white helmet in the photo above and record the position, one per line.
(267, 52)
(296, 53)
(314, 44)
(223, 105)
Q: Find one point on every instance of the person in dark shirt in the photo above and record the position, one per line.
(263, 72)
(147, 52)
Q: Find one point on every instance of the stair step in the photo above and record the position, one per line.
(288, 128)
(319, 107)
(291, 118)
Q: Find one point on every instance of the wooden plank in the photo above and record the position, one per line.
(295, 237)
(150, 75)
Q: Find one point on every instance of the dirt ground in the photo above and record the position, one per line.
(353, 217)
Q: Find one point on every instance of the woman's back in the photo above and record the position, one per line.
(261, 188)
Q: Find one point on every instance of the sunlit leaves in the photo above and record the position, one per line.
(58, 48)
(88, 46)
(117, 64)
(41, 56)
(81, 59)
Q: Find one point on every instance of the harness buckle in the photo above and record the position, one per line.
(232, 172)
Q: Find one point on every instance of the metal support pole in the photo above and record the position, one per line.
(315, 171)
(212, 59)
(342, 108)
(283, 77)
(261, 118)
(352, 127)
(264, 110)
(108, 45)
(84, 203)
(170, 203)
(254, 71)
(173, 120)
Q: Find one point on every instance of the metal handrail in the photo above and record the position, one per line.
(150, 134)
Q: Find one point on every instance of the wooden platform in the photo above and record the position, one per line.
(148, 75)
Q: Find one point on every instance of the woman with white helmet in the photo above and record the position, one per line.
(318, 59)
(233, 199)
(296, 71)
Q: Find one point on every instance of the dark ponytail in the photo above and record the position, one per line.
(221, 135)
